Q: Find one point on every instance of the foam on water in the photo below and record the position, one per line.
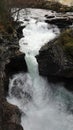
(27, 14)
(36, 34)
(44, 106)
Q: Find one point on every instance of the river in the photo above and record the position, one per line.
(44, 106)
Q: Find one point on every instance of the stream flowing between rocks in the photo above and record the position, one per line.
(44, 106)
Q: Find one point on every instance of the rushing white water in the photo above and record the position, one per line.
(36, 34)
(25, 15)
(44, 106)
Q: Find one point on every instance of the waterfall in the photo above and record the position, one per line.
(42, 106)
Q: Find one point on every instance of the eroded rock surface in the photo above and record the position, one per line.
(55, 59)
(10, 62)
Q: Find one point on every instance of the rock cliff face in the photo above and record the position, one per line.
(56, 57)
(11, 62)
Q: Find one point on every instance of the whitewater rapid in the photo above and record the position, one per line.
(44, 106)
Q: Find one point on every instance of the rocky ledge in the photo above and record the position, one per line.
(43, 4)
(60, 19)
(55, 6)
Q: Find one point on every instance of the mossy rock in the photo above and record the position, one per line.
(65, 40)
(55, 6)
(69, 49)
(55, 59)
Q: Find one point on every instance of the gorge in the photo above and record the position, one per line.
(43, 105)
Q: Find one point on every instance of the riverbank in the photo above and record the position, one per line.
(9, 49)
(42, 4)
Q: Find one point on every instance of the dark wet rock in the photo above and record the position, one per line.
(11, 113)
(12, 126)
(48, 17)
(56, 58)
(19, 31)
(17, 64)
(11, 60)
(50, 59)
(61, 22)
(69, 84)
